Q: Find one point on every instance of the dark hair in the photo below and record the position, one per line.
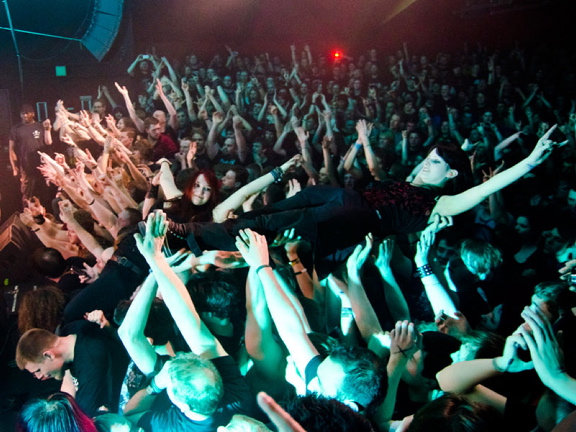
(218, 297)
(57, 413)
(455, 413)
(241, 174)
(150, 121)
(119, 109)
(134, 216)
(103, 102)
(438, 347)
(275, 192)
(184, 177)
(128, 123)
(323, 343)
(145, 148)
(488, 344)
(318, 414)
(27, 108)
(41, 308)
(457, 159)
(160, 324)
(49, 262)
(365, 379)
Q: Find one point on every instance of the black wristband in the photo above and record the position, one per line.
(261, 267)
(424, 271)
(153, 191)
(39, 219)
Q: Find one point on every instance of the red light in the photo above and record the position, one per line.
(337, 54)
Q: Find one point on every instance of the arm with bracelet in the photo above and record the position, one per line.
(235, 201)
(437, 294)
(467, 376)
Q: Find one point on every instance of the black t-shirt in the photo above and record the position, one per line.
(28, 140)
(98, 368)
(237, 399)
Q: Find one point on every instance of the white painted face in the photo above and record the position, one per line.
(436, 172)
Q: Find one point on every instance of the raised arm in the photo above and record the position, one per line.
(173, 119)
(131, 330)
(395, 300)
(211, 140)
(547, 355)
(292, 331)
(438, 296)
(173, 291)
(130, 107)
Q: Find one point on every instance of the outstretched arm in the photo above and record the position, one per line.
(235, 201)
(451, 205)
(466, 376)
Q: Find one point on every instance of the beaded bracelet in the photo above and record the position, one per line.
(294, 262)
(424, 271)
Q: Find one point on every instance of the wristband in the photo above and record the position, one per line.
(424, 271)
(357, 146)
(36, 230)
(153, 191)
(498, 369)
(530, 166)
(300, 272)
(261, 267)
(294, 261)
(277, 173)
(153, 388)
(39, 219)
(93, 201)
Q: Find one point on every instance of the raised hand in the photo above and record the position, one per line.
(544, 348)
(150, 246)
(403, 340)
(253, 248)
(385, 252)
(217, 117)
(359, 256)
(543, 148)
(293, 188)
(423, 248)
(281, 419)
(509, 361)
(121, 89)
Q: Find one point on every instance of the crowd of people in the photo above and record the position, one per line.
(376, 243)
